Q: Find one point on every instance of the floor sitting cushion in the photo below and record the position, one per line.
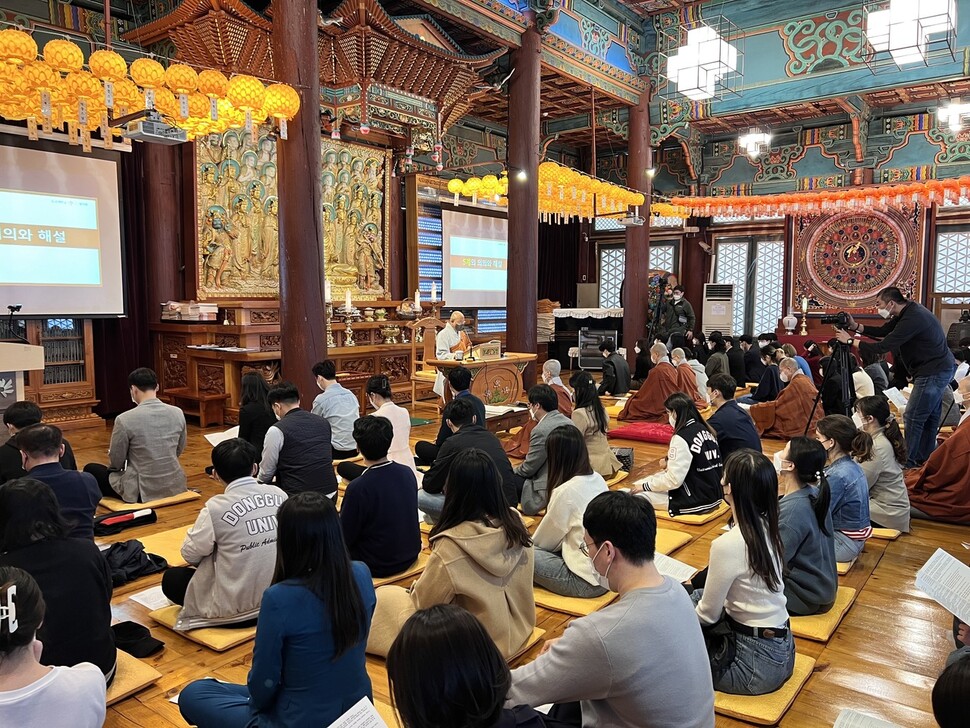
(416, 568)
(534, 639)
(766, 709)
(131, 676)
(219, 639)
(576, 606)
(843, 566)
(669, 540)
(821, 627)
(887, 534)
(655, 432)
(167, 544)
(695, 519)
(116, 504)
(616, 479)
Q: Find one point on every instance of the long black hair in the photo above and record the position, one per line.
(255, 389)
(684, 411)
(29, 512)
(808, 457)
(754, 495)
(567, 456)
(311, 549)
(473, 492)
(584, 391)
(877, 407)
(851, 440)
(463, 678)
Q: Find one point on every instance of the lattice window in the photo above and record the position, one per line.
(769, 282)
(606, 224)
(662, 257)
(732, 267)
(728, 219)
(612, 271)
(952, 274)
(962, 202)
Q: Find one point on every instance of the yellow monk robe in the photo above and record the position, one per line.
(785, 417)
(941, 486)
(688, 384)
(647, 404)
(518, 445)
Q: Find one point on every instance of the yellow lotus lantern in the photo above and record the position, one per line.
(165, 102)
(63, 55)
(214, 85)
(282, 104)
(127, 97)
(454, 187)
(474, 186)
(111, 68)
(229, 116)
(150, 75)
(42, 79)
(248, 94)
(84, 87)
(17, 47)
(182, 80)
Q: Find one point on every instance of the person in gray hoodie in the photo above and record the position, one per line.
(231, 548)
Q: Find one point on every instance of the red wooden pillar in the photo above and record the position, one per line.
(523, 155)
(638, 238)
(162, 190)
(302, 325)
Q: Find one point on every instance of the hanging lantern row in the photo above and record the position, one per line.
(489, 187)
(55, 90)
(800, 203)
(565, 193)
(666, 209)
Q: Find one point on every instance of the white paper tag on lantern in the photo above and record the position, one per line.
(183, 106)
(82, 112)
(214, 108)
(71, 134)
(32, 129)
(149, 98)
(109, 94)
(106, 132)
(249, 121)
(283, 129)
(45, 106)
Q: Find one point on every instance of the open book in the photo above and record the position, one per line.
(497, 410)
(215, 438)
(946, 580)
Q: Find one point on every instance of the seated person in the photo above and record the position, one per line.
(698, 342)
(877, 368)
(591, 419)
(790, 351)
(691, 480)
(533, 471)
(688, 381)
(452, 338)
(146, 443)
(560, 565)
(700, 375)
(743, 589)
(939, 489)
(787, 416)
(753, 366)
(861, 381)
(732, 425)
(73, 576)
(647, 404)
(481, 559)
(77, 493)
(308, 665)
(813, 354)
(845, 448)
(16, 417)
(517, 446)
(805, 524)
(460, 382)
(380, 398)
(735, 355)
(255, 414)
(616, 371)
(832, 401)
(379, 511)
(229, 567)
(459, 416)
(31, 693)
(338, 406)
(643, 655)
(770, 383)
(950, 694)
(298, 450)
(642, 364)
(888, 497)
(717, 361)
(949, 409)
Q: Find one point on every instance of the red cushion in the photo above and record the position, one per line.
(657, 432)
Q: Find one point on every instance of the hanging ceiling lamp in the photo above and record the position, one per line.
(706, 61)
(755, 141)
(909, 31)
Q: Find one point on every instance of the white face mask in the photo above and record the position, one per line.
(777, 460)
(857, 419)
(636, 349)
(532, 414)
(884, 312)
(672, 419)
(678, 296)
(601, 579)
(783, 376)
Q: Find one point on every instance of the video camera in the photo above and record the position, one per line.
(839, 320)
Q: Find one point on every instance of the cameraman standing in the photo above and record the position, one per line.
(915, 335)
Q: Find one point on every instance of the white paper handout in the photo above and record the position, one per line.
(362, 715)
(215, 438)
(849, 718)
(496, 410)
(946, 580)
(896, 397)
(152, 598)
(673, 568)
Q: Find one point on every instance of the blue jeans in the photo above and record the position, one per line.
(747, 399)
(431, 504)
(922, 416)
(847, 548)
(761, 665)
(552, 573)
(212, 704)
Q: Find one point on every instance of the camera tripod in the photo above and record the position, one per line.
(657, 308)
(839, 361)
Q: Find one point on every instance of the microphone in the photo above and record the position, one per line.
(11, 310)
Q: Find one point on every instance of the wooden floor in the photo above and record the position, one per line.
(883, 660)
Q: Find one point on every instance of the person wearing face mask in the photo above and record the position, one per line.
(146, 443)
(742, 601)
(679, 315)
(787, 415)
(380, 398)
(296, 449)
(805, 525)
(533, 472)
(717, 362)
(916, 336)
(647, 404)
(888, 498)
(732, 425)
(517, 446)
(691, 480)
(770, 383)
(753, 366)
(689, 381)
(639, 662)
(643, 364)
(845, 448)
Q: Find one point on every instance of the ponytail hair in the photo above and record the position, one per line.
(808, 457)
(851, 440)
(21, 610)
(877, 407)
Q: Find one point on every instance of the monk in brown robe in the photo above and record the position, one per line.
(687, 378)
(940, 488)
(786, 416)
(518, 446)
(647, 404)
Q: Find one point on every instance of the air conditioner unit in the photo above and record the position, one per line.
(718, 308)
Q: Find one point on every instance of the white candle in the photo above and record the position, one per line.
(805, 304)
(347, 304)
(417, 298)
(434, 291)
(327, 292)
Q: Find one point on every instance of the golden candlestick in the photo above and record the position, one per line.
(804, 329)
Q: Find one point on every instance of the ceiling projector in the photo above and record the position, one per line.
(631, 219)
(153, 129)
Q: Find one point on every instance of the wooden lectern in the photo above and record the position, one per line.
(15, 359)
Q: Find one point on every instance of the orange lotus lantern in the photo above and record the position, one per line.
(42, 79)
(63, 55)
(126, 95)
(111, 68)
(282, 104)
(165, 102)
(247, 94)
(17, 47)
(150, 75)
(84, 87)
(182, 80)
(214, 85)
